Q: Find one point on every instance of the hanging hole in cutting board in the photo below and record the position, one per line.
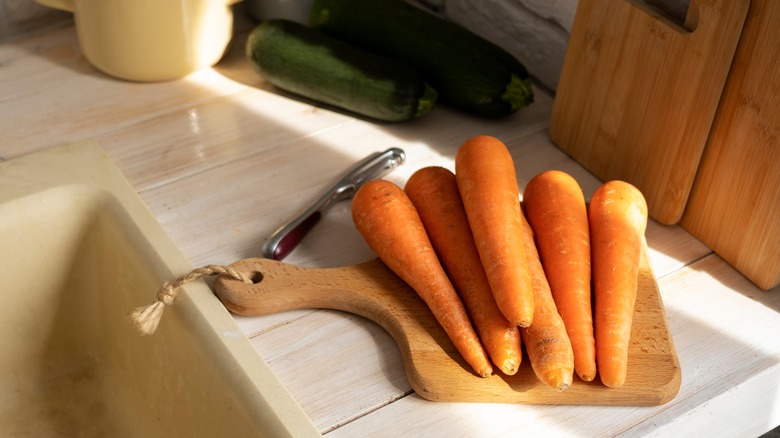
(255, 276)
(683, 15)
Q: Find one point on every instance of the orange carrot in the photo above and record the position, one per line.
(487, 182)
(434, 192)
(389, 223)
(555, 208)
(546, 341)
(618, 219)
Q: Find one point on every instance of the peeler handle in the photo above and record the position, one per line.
(286, 238)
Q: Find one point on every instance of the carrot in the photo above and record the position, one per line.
(555, 209)
(618, 219)
(546, 342)
(434, 192)
(389, 223)
(487, 183)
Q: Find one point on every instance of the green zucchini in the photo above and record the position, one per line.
(306, 62)
(466, 70)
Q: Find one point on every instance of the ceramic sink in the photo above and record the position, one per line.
(79, 251)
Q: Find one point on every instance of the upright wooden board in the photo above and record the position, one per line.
(735, 201)
(637, 94)
(434, 368)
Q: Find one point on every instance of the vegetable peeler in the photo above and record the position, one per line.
(279, 244)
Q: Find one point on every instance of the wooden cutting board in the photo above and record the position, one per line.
(734, 206)
(637, 94)
(434, 368)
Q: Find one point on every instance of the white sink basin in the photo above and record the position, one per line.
(79, 251)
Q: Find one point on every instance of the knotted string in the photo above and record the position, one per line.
(148, 317)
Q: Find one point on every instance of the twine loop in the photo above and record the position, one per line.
(147, 318)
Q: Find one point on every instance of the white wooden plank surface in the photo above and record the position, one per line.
(50, 94)
(361, 359)
(222, 159)
(190, 139)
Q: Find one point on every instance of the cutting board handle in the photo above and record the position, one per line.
(367, 289)
(690, 21)
(279, 287)
(692, 16)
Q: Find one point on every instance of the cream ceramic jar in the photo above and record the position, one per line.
(150, 40)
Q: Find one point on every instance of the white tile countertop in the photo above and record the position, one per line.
(222, 159)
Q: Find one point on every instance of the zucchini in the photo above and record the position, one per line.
(468, 71)
(308, 63)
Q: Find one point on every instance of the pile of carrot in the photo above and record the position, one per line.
(499, 274)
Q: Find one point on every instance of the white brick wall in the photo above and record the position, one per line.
(534, 31)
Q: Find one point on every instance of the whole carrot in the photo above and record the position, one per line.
(618, 219)
(555, 208)
(546, 342)
(434, 192)
(389, 223)
(487, 183)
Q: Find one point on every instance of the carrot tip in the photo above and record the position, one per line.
(485, 373)
(509, 367)
(612, 384)
(587, 377)
(559, 379)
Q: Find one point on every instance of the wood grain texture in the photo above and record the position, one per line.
(433, 367)
(734, 202)
(637, 94)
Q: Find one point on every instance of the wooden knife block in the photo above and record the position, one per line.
(734, 206)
